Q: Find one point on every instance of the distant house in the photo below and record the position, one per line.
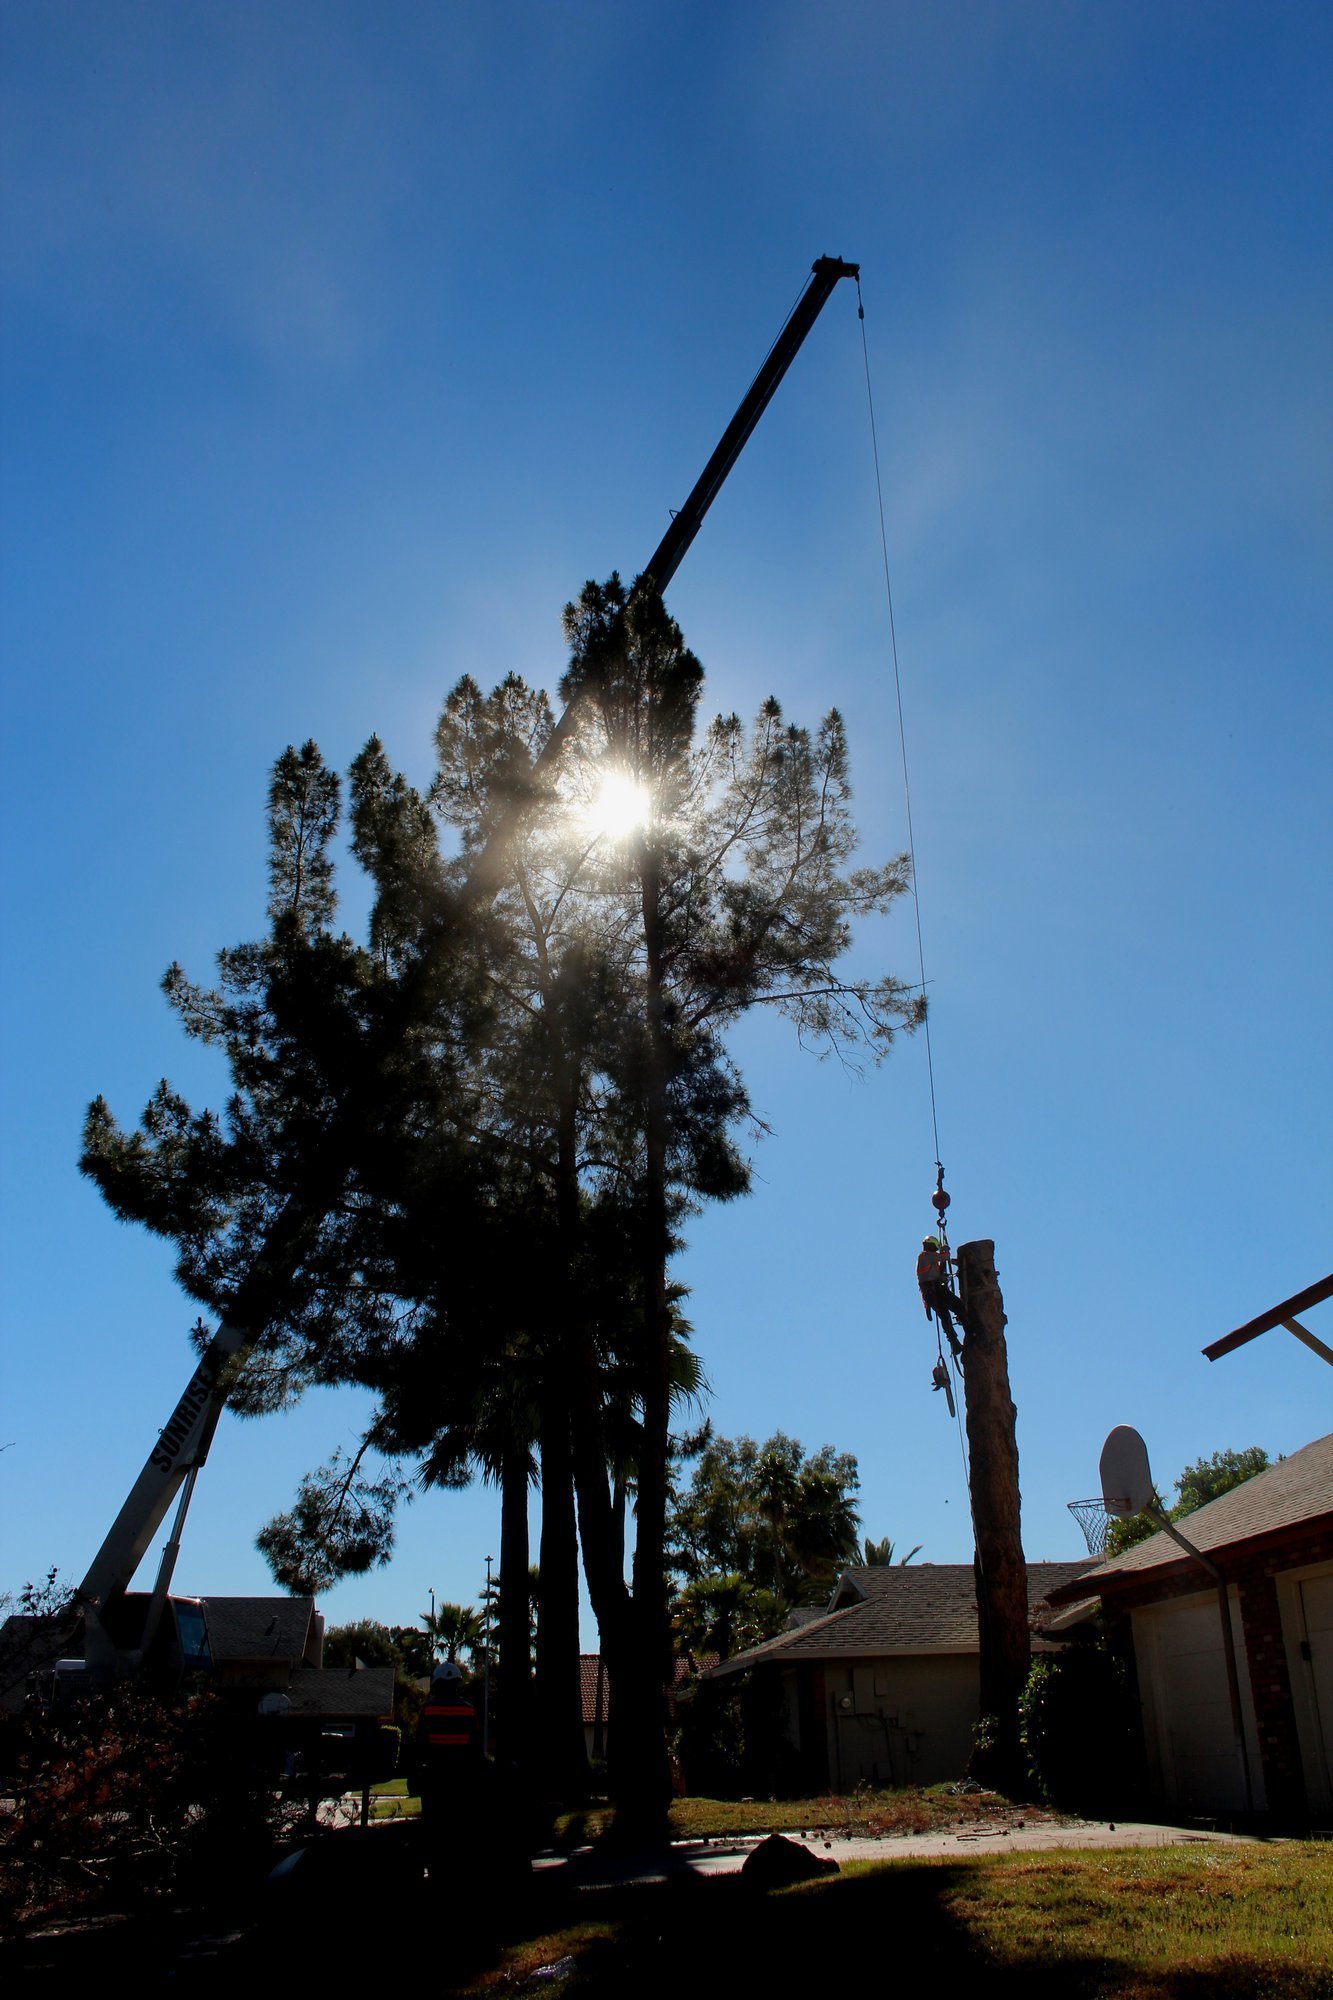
(276, 1646)
(260, 1641)
(595, 1694)
(884, 1685)
(1272, 1541)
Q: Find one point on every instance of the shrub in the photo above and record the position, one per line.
(1078, 1731)
(122, 1801)
(708, 1738)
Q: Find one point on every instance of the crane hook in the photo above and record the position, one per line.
(939, 1201)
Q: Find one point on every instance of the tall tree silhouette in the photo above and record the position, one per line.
(478, 1136)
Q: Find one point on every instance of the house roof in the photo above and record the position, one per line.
(350, 1694)
(683, 1669)
(908, 1608)
(588, 1664)
(258, 1628)
(1291, 1494)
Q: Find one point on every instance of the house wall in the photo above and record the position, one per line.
(900, 1721)
(1291, 1731)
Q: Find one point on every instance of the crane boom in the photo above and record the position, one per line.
(181, 1446)
(666, 557)
(485, 876)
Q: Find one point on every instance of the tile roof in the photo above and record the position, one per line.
(907, 1608)
(258, 1628)
(588, 1688)
(698, 1663)
(1297, 1490)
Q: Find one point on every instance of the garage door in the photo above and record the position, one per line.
(1187, 1707)
(1316, 1602)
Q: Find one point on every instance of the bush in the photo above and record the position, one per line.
(127, 1800)
(1078, 1731)
(708, 1739)
(770, 1763)
(731, 1741)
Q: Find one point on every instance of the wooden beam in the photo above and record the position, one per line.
(1303, 1333)
(1313, 1295)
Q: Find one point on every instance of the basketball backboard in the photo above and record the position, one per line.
(1126, 1477)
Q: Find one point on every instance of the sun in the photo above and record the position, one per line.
(620, 806)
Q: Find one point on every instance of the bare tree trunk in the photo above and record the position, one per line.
(562, 1748)
(515, 1676)
(642, 1771)
(1001, 1572)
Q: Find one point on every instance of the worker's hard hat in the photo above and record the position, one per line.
(448, 1670)
(930, 1242)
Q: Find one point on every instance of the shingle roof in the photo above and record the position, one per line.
(908, 1608)
(258, 1628)
(1290, 1494)
(363, 1694)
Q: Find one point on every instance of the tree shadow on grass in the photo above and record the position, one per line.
(866, 1933)
(848, 1934)
(693, 1938)
(690, 1938)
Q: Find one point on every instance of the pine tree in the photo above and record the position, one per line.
(476, 1138)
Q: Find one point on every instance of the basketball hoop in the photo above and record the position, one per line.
(1095, 1522)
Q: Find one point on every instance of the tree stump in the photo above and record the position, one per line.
(1001, 1571)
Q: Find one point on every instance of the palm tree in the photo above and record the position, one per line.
(880, 1554)
(778, 1493)
(454, 1629)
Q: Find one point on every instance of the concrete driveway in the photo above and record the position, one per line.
(590, 1867)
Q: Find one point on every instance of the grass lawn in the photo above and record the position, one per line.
(391, 1801)
(874, 1812)
(1197, 1923)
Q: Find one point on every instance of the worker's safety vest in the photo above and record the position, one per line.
(932, 1266)
(447, 1728)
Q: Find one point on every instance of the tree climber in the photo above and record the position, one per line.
(932, 1275)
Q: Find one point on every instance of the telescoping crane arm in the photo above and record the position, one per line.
(666, 558)
(182, 1444)
(181, 1448)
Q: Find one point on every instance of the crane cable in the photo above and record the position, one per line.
(911, 851)
(902, 729)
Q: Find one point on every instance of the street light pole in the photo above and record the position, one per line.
(486, 1669)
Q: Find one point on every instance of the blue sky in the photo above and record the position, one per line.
(340, 345)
